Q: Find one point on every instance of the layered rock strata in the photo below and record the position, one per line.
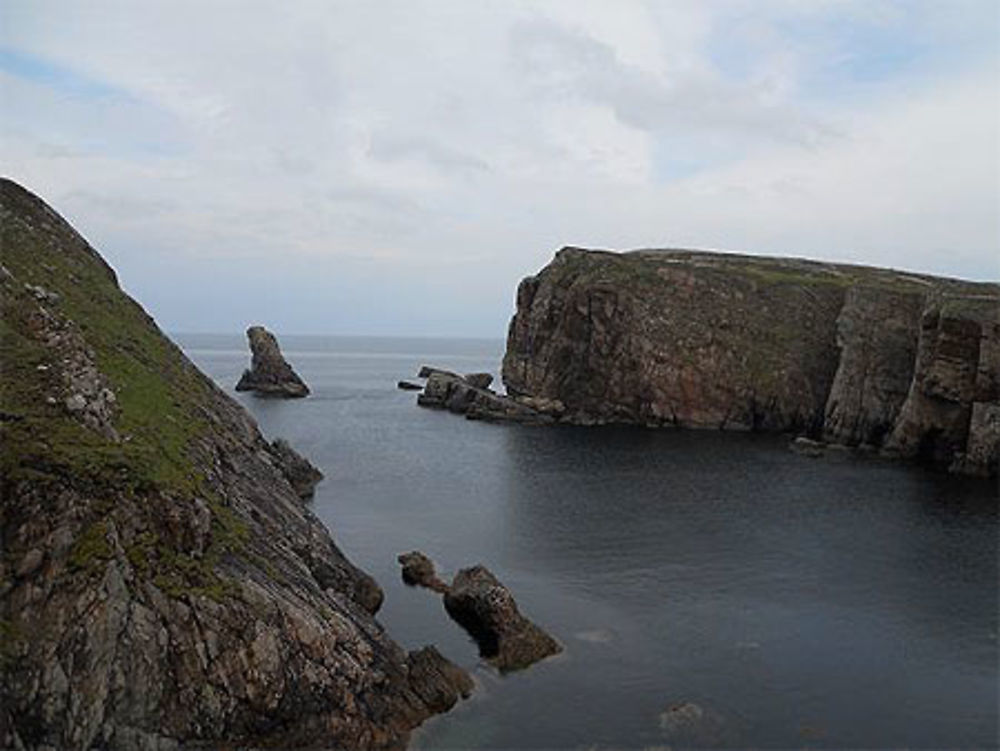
(269, 374)
(852, 355)
(161, 583)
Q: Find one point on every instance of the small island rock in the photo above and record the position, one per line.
(418, 570)
(485, 608)
(269, 373)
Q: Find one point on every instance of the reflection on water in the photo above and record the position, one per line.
(771, 599)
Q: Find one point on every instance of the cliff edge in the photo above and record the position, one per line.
(161, 582)
(906, 363)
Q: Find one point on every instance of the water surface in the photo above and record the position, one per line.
(798, 602)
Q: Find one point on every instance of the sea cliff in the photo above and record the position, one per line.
(905, 363)
(161, 581)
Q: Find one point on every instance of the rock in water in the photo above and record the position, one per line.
(859, 356)
(486, 609)
(418, 570)
(269, 373)
(298, 470)
(161, 584)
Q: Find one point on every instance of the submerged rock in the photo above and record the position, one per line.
(299, 471)
(269, 374)
(486, 609)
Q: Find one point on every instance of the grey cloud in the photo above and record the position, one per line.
(389, 148)
(562, 62)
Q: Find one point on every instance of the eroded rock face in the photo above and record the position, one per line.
(853, 355)
(298, 470)
(161, 582)
(269, 373)
(486, 609)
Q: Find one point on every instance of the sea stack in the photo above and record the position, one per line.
(269, 373)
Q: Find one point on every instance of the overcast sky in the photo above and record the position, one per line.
(396, 167)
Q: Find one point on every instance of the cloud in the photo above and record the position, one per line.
(434, 153)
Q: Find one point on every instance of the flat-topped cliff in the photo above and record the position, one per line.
(906, 363)
(161, 580)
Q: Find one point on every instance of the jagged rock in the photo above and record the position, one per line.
(299, 471)
(486, 609)
(478, 380)
(426, 371)
(418, 570)
(438, 682)
(445, 390)
(877, 335)
(934, 421)
(408, 386)
(717, 340)
(269, 373)
(162, 584)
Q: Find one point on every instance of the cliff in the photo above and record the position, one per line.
(853, 355)
(161, 581)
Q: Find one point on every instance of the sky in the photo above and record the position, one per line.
(395, 167)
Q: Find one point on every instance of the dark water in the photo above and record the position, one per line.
(798, 602)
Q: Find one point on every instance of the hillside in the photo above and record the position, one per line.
(908, 364)
(160, 580)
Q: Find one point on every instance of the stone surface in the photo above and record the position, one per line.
(486, 609)
(161, 583)
(269, 373)
(445, 390)
(478, 380)
(854, 355)
(408, 386)
(298, 470)
(418, 570)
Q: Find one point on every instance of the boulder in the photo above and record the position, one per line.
(418, 570)
(408, 386)
(446, 390)
(485, 608)
(269, 374)
(438, 682)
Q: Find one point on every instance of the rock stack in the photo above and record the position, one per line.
(269, 374)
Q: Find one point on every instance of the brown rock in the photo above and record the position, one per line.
(486, 609)
(269, 373)
(418, 570)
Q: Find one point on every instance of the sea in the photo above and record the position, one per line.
(709, 589)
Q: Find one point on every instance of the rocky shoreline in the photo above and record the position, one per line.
(876, 360)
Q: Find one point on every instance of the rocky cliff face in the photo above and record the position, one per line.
(854, 355)
(161, 582)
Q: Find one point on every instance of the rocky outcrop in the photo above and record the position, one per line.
(485, 608)
(418, 571)
(298, 470)
(446, 390)
(161, 583)
(850, 355)
(269, 374)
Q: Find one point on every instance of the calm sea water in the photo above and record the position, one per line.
(798, 602)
